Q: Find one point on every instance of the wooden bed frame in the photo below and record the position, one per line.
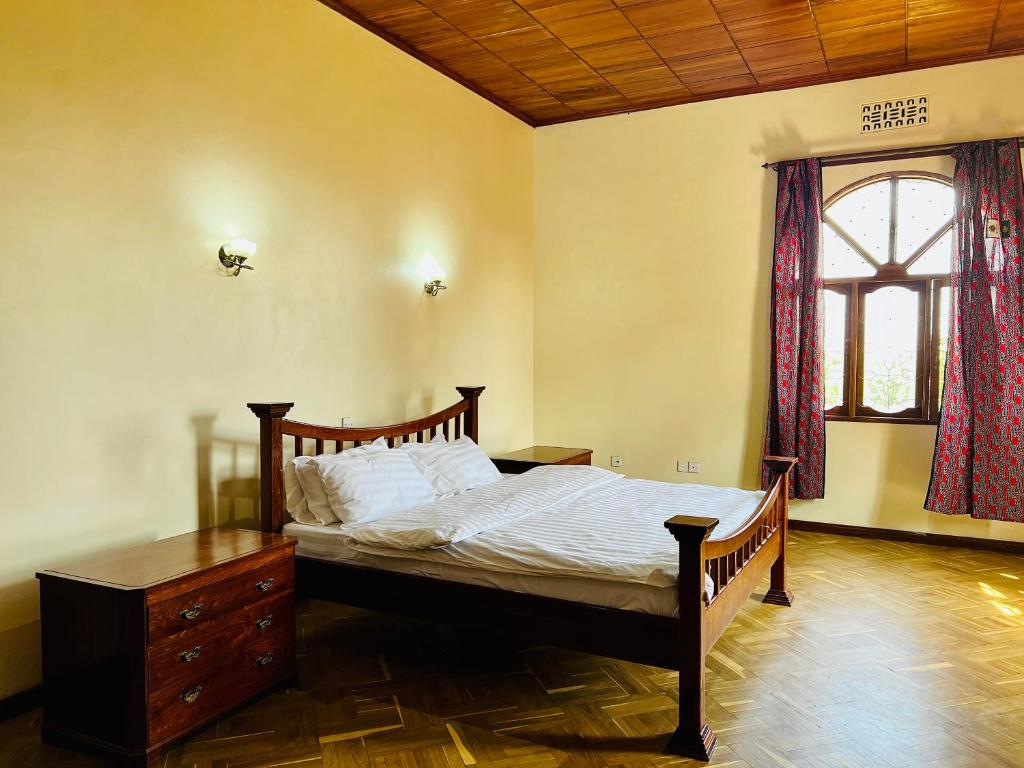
(736, 565)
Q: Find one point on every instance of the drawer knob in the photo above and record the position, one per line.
(190, 613)
(191, 694)
(264, 622)
(187, 656)
(265, 585)
(265, 659)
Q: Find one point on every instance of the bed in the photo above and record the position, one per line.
(551, 576)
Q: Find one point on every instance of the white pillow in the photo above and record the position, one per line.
(312, 483)
(295, 498)
(374, 485)
(454, 467)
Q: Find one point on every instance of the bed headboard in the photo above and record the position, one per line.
(456, 420)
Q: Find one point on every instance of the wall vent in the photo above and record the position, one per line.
(894, 113)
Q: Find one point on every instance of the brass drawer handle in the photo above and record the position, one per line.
(265, 585)
(265, 659)
(264, 622)
(187, 656)
(191, 694)
(190, 613)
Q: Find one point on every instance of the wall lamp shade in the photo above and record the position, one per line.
(234, 254)
(433, 275)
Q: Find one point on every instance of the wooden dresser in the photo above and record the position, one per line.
(142, 645)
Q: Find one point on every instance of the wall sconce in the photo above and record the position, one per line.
(433, 275)
(233, 255)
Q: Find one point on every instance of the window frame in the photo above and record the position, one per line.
(889, 274)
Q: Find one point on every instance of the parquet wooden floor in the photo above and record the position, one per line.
(894, 655)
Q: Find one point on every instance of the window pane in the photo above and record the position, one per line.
(922, 208)
(834, 362)
(937, 259)
(840, 259)
(864, 214)
(944, 295)
(890, 348)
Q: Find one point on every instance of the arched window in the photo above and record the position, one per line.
(887, 248)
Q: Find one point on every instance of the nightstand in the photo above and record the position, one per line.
(517, 462)
(142, 645)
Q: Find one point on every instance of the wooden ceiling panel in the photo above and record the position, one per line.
(651, 85)
(694, 43)
(945, 35)
(556, 10)
(864, 50)
(620, 55)
(725, 85)
(424, 29)
(592, 29)
(788, 53)
(773, 28)
(597, 99)
(841, 16)
(1009, 33)
(505, 41)
(665, 17)
(735, 10)
(717, 67)
(812, 70)
(548, 61)
(478, 18)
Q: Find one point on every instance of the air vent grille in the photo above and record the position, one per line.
(894, 113)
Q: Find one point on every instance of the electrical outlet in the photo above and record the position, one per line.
(693, 467)
(616, 461)
(346, 421)
(682, 466)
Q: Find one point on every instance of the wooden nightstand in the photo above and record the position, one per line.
(517, 462)
(144, 644)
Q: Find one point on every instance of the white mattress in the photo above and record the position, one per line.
(327, 543)
(574, 533)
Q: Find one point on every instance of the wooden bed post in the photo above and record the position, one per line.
(271, 464)
(778, 593)
(693, 737)
(471, 420)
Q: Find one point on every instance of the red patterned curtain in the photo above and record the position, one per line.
(978, 467)
(796, 418)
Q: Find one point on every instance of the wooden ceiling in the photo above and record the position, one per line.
(550, 61)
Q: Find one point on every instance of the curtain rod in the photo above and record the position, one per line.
(872, 156)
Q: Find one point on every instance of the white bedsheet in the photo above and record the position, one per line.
(558, 521)
(575, 533)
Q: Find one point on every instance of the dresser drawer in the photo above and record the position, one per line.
(185, 657)
(199, 606)
(260, 662)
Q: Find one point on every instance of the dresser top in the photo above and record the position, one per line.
(145, 565)
(545, 454)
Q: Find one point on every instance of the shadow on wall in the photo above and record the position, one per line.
(227, 476)
(789, 138)
(20, 663)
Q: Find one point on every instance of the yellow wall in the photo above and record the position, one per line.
(135, 138)
(653, 237)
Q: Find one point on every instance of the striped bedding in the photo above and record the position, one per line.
(569, 521)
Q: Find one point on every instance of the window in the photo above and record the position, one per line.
(887, 248)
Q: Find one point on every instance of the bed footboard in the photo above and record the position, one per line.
(735, 566)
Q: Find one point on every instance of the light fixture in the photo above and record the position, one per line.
(433, 274)
(234, 254)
